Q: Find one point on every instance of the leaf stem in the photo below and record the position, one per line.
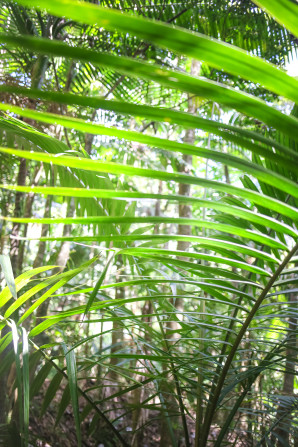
(215, 397)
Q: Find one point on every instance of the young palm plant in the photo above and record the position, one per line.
(236, 283)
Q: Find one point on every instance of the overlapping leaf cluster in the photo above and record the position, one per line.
(238, 282)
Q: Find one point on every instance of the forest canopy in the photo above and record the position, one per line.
(148, 223)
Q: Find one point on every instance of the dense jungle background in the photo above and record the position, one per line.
(148, 251)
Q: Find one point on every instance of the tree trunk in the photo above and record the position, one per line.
(117, 332)
(28, 213)
(39, 258)
(64, 251)
(15, 243)
(184, 190)
(184, 212)
(286, 407)
(42, 310)
(89, 138)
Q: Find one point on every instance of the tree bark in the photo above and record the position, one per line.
(64, 251)
(117, 332)
(28, 213)
(184, 212)
(38, 261)
(282, 431)
(184, 190)
(42, 310)
(15, 243)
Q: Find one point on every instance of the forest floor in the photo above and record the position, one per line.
(45, 433)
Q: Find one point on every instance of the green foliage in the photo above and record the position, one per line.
(206, 323)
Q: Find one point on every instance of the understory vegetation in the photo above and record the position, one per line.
(148, 251)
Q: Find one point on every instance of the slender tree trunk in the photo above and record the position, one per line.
(117, 332)
(89, 138)
(15, 243)
(64, 251)
(184, 212)
(28, 213)
(42, 310)
(4, 206)
(140, 415)
(39, 258)
(283, 429)
(184, 190)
